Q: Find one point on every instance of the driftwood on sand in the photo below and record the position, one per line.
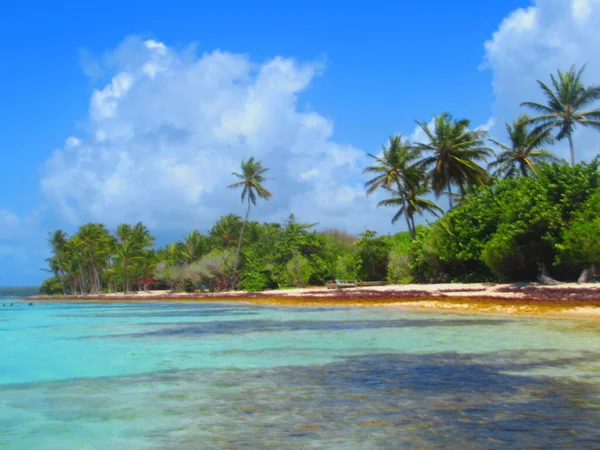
(543, 276)
(587, 275)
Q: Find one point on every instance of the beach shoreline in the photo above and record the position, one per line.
(528, 299)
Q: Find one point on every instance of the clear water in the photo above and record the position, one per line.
(203, 376)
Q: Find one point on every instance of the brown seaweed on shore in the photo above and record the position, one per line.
(555, 294)
(527, 295)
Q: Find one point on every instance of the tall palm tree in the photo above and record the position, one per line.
(251, 180)
(454, 150)
(96, 243)
(565, 104)
(58, 240)
(75, 254)
(128, 253)
(525, 151)
(397, 170)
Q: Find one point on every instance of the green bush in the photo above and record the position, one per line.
(297, 271)
(581, 240)
(399, 268)
(503, 231)
(50, 286)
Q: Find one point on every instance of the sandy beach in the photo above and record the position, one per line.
(531, 299)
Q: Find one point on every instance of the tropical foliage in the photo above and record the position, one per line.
(502, 232)
(531, 209)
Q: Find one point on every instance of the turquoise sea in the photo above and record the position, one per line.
(227, 375)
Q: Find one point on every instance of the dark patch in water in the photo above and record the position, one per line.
(144, 306)
(259, 326)
(160, 313)
(443, 400)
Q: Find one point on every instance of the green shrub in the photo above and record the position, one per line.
(297, 271)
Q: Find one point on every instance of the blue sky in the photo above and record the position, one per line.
(301, 85)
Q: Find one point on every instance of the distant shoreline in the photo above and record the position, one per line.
(565, 300)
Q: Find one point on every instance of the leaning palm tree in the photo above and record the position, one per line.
(565, 104)
(252, 180)
(525, 151)
(454, 150)
(396, 171)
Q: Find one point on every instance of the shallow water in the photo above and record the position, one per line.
(189, 376)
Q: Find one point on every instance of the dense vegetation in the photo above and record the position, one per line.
(532, 211)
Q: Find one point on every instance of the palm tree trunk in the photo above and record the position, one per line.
(60, 276)
(239, 247)
(126, 279)
(410, 229)
(73, 285)
(94, 274)
(93, 289)
(81, 278)
(523, 168)
(414, 229)
(62, 282)
(571, 149)
(450, 196)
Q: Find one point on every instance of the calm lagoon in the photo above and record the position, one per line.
(232, 375)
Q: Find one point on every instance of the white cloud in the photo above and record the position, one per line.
(533, 42)
(491, 122)
(168, 129)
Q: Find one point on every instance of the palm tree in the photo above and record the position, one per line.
(525, 152)
(172, 254)
(128, 253)
(226, 231)
(75, 256)
(124, 231)
(96, 243)
(397, 171)
(454, 149)
(141, 235)
(252, 180)
(57, 241)
(410, 203)
(196, 245)
(565, 104)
